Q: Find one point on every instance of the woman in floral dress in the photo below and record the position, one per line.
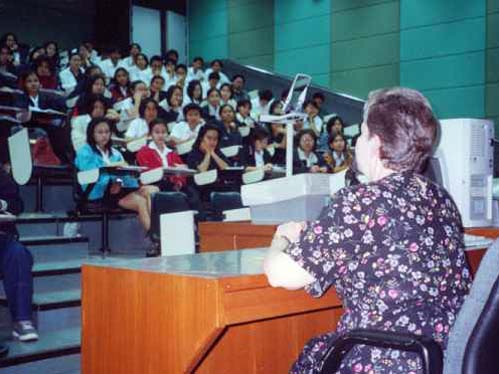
(392, 248)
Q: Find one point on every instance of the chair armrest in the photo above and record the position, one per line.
(427, 349)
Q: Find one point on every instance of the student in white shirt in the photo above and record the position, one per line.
(194, 93)
(173, 105)
(244, 113)
(309, 161)
(139, 127)
(188, 130)
(172, 54)
(169, 74)
(213, 82)
(94, 55)
(85, 56)
(226, 96)
(261, 104)
(140, 72)
(129, 62)
(196, 70)
(112, 63)
(73, 74)
(216, 66)
(211, 107)
(312, 121)
(156, 88)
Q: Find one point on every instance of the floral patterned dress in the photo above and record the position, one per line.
(393, 250)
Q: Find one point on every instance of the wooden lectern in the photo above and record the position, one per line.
(212, 313)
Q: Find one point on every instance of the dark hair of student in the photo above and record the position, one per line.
(198, 58)
(242, 103)
(4, 37)
(222, 107)
(90, 70)
(6, 47)
(33, 51)
(24, 76)
(191, 107)
(333, 136)
(214, 75)
(137, 45)
(266, 95)
(71, 55)
(332, 120)
(310, 102)
(170, 61)
(170, 92)
(156, 58)
(90, 82)
(318, 95)
(155, 78)
(173, 52)
(143, 106)
(145, 57)
(114, 49)
(217, 61)
(49, 42)
(134, 84)
(90, 133)
(192, 86)
(238, 76)
(115, 81)
(284, 94)
(212, 90)
(258, 133)
(304, 132)
(181, 66)
(202, 132)
(89, 103)
(157, 121)
(230, 88)
(41, 59)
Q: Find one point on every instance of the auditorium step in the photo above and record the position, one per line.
(47, 248)
(59, 365)
(52, 300)
(52, 344)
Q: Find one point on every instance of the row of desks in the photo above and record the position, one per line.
(212, 313)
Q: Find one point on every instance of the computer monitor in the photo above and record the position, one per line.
(463, 164)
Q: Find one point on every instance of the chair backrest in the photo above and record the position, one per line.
(221, 201)
(473, 345)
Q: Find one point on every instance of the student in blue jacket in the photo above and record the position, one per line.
(123, 191)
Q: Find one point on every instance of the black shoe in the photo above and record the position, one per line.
(154, 250)
(3, 350)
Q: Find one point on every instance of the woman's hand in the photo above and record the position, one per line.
(290, 230)
(267, 167)
(204, 148)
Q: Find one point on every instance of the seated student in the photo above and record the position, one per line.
(169, 73)
(339, 157)
(156, 88)
(139, 127)
(334, 125)
(95, 106)
(85, 56)
(33, 99)
(140, 72)
(194, 93)
(129, 62)
(94, 54)
(277, 135)
(229, 133)
(123, 191)
(308, 161)
(312, 121)
(112, 63)
(156, 68)
(173, 109)
(16, 263)
(187, 130)
(318, 98)
(226, 96)
(261, 104)
(129, 108)
(172, 54)
(211, 107)
(195, 71)
(52, 52)
(181, 75)
(10, 40)
(157, 154)
(82, 84)
(243, 114)
(256, 155)
(213, 82)
(73, 74)
(238, 82)
(95, 85)
(216, 66)
(6, 58)
(120, 85)
(46, 73)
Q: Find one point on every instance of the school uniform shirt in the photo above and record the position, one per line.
(43, 100)
(68, 79)
(87, 159)
(250, 157)
(140, 75)
(138, 128)
(127, 63)
(229, 137)
(314, 124)
(196, 156)
(79, 126)
(248, 121)
(307, 161)
(119, 93)
(95, 58)
(188, 100)
(152, 157)
(183, 132)
(209, 112)
(223, 77)
(198, 74)
(108, 68)
(257, 110)
(230, 102)
(205, 85)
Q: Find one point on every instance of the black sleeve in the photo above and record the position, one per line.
(21, 101)
(194, 159)
(9, 191)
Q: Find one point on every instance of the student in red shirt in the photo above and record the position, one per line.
(157, 154)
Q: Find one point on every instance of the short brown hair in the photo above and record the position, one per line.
(404, 121)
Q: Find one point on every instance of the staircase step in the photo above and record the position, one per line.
(56, 248)
(57, 267)
(59, 365)
(52, 300)
(51, 344)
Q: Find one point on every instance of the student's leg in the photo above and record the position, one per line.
(146, 192)
(16, 263)
(136, 202)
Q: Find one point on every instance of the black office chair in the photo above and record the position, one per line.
(473, 345)
(221, 201)
(166, 202)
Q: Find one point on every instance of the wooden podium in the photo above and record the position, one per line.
(208, 313)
